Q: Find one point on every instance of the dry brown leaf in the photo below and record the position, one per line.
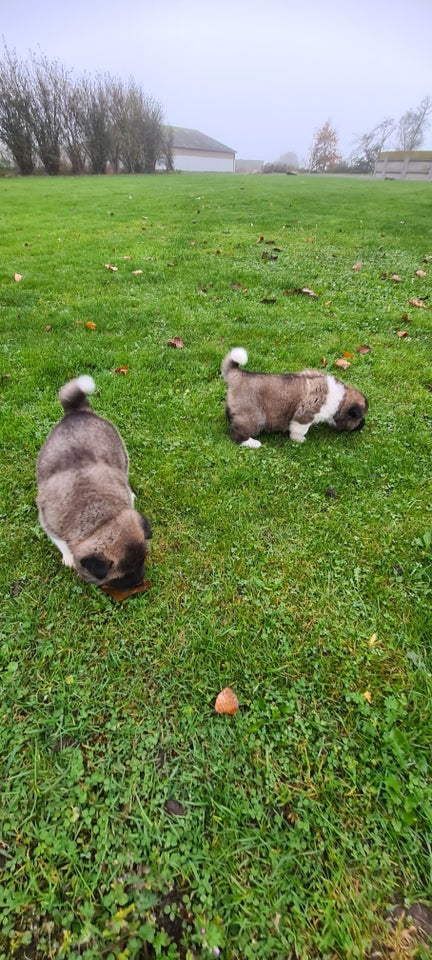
(421, 273)
(176, 342)
(343, 364)
(395, 277)
(121, 370)
(48, 328)
(364, 348)
(308, 292)
(136, 273)
(358, 265)
(17, 277)
(127, 258)
(402, 333)
(323, 361)
(109, 266)
(416, 303)
(90, 325)
(120, 595)
(226, 702)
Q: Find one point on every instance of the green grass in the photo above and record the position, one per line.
(302, 819)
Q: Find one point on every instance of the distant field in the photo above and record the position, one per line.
(136, 822)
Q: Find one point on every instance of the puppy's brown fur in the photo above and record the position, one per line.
(84, 498)
(287, 402)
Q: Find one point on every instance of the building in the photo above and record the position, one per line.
(195, 151)
(404, 165)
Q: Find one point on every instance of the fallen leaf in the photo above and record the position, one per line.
(402, 333)
(308, 292)
(327, 303)
(367, 695)
(175, 808)
(90, 325)
(421, 273)
(260, 239)
(136, 273)
(268, 300)
(373, 640)
(416, 303)
(343, 364)
(226, 702)
(175, 342)
(48, 328)
(323, 361)
(17, 277)
(109, 266)
(120, 595)
(364, 349)
(331, 492)
(121, 370)
(358, 265)
(127, 258)
(347, 354)
(236, 286)
(395, 277)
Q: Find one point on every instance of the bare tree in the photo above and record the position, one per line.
(325, 152)
(167, 149)
(49, 83)
(370, 145)
(153, 134)
(95, 123)
(73, 127)
(412, 125)
(16, 130)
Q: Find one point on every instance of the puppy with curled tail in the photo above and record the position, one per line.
(286, 402)
(86, 505)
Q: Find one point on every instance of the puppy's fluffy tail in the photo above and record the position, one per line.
(234, 359)
(73, 395)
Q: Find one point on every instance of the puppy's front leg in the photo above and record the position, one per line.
(298, 431)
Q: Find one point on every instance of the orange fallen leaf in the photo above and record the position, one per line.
(402, 333)
(358, 265)
(226, 702)
(17, 277)
(121, 370)
(416, 303)
(323, 361)
(343, 364)
(364, 349)
(136, 273)
(347, 354)
(421, 273)
(122, 594)
(176, 342)
(90, 325)
(109, 266)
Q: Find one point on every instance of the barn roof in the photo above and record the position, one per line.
(186, 139)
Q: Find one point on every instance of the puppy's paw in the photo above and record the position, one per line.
(297, 438)
(251, 443)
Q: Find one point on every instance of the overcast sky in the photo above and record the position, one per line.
(259, 75)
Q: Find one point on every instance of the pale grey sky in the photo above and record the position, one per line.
(258, 75)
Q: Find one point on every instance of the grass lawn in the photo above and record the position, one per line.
(135, 821)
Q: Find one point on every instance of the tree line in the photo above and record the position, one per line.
(405, 134)
(49, 117)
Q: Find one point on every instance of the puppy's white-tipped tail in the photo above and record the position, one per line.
(73, 395)
(234, 359)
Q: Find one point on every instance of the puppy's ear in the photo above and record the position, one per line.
(96, 565)
(145, 523)
(355, 412)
